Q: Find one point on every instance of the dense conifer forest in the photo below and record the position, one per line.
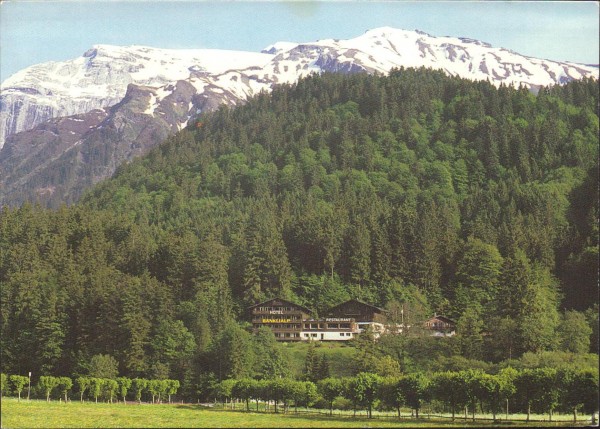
(412, 191)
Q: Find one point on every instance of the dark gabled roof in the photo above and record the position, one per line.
(307, 310)
(442, 318)
(379, 309)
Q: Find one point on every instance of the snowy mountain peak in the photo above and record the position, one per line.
(388, 32)
(99, 78)
(279, 47)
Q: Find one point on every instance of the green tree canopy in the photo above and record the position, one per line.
(103, 366)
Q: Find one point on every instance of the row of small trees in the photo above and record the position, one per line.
(542, 390)
(105, 388)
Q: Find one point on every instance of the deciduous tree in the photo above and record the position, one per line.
(414, 389)
(83, 384)
(574, 332)
(124, 386)
(47, 384)
(139, 385)
(330, 389)
(103, 366)
(363, 390)
(96, 385)
(65, 384)
(3, 383)
(18, 382)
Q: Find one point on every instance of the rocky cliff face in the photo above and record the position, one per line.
(114, 103)
(57, 160)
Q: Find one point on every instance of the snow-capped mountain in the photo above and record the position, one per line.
(100, 77)
(131, 98)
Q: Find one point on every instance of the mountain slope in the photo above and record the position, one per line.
(413, 189)
(106, 74)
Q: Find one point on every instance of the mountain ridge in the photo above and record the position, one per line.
(105, 75)
(148, 66)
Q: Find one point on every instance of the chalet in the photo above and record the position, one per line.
(294, 322)
(440, 326)
(364, 314)
(330, 329)
(285, 318)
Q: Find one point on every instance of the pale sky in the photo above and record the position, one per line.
(32, 32)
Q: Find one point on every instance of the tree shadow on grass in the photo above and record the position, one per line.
(322, 417)
(289, 414)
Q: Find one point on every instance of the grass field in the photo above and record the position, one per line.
(40, 414)
(339, 356)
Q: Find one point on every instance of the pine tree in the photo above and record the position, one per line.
(311, 362)
(273, 363)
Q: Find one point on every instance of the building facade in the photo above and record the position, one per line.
(285, 318)
(365, 315)
(293, 322)
(330, 329)
(440, 326)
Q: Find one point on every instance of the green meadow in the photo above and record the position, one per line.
(339, 356)
(40, 414)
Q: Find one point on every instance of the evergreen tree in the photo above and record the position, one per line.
(311, 363)
(477, 276)
(232, 355)
(469, 333)
(539, 318)
(574, 332)
(272, 361)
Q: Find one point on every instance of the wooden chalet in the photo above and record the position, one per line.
(330, 329)
(440, 326)
(293, 322)
(283, 317)
(365, 315)
(360, 311)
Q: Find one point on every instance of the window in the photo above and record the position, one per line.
(341, 334)
(313, 335)
(306, 335)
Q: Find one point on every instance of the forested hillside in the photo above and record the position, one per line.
(414, 189)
